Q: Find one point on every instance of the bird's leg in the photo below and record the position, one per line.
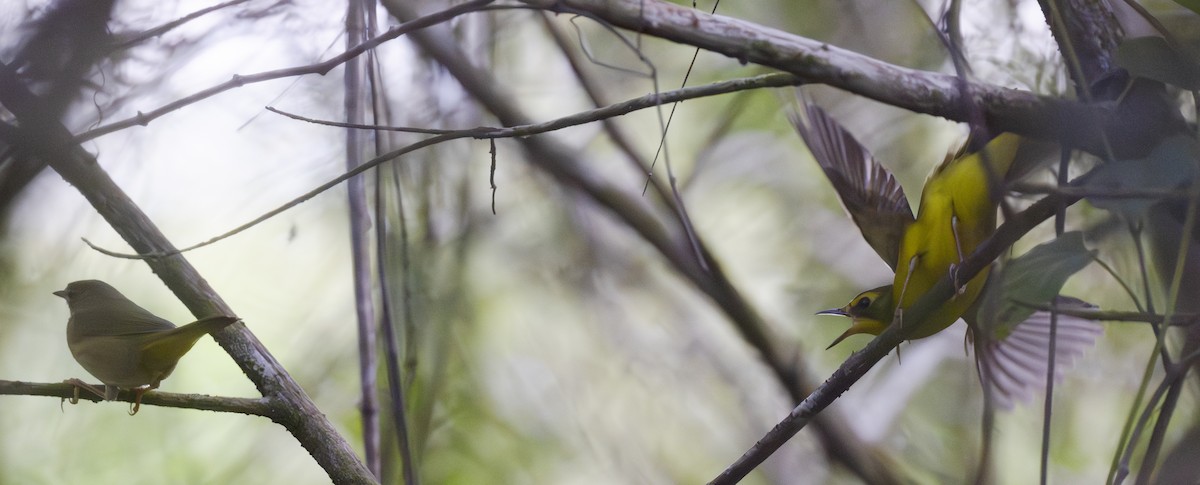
(74, 396)
(82, 385)
(954, 266)
(137, 400)
(137, 397)
(74, 399)
(899, 313)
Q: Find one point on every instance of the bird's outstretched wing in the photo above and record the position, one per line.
(1014, 366)
(868, 191)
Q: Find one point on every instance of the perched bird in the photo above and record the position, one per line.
(957, 213)
(121, 343)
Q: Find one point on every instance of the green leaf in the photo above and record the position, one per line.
(1034, 278)
(1193, 5)
(1170, 167)
(1154, 58)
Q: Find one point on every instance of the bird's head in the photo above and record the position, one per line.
(78, 292)
(870, 312)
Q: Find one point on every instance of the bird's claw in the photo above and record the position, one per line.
(137, 400)
(958, 289)
(79, 384)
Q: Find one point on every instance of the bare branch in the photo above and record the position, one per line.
(251, 406)
(860, 362)
(482, 133)
(1070, 123)
(319, 68)
(659, 230)
(137, 38)
(354, 82)
(47, 139)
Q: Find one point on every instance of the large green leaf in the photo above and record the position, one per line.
(1034, 278)
(1170, 167)
(1154, 58)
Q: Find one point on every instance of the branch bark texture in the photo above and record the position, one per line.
(1073, 124)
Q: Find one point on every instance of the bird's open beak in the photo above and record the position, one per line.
(855, 328)
(61, 294)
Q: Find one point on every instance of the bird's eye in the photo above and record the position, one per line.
(863, 303)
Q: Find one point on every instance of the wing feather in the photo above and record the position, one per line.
(868, 191)
(1016, 365)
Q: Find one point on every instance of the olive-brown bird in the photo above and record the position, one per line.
(121, 343)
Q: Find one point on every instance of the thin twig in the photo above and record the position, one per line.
(484, 133)
(678, 206)
(321, 68)
(360, 245)
(363, 126)
(1179, 320)
(1100, 192)
(145, 35)
(261, 406)
(1158, 436)
(1173, 377)
(492, 172)
(592, 88)
(662, 141)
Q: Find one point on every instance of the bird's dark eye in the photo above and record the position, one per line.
(862, 303)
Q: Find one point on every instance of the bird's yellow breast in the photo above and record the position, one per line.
(957, 213)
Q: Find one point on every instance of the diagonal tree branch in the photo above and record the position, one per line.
(481, 133)
(321, 68)
(860, 362)
(44, 137)
(660, 229)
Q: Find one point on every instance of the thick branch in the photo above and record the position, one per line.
(1073, 124)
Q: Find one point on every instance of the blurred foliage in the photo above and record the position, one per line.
(544, 343)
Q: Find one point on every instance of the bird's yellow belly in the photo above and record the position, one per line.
(936, 244)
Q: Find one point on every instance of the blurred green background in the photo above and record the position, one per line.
(548, 343)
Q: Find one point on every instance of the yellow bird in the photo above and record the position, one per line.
(957, 213)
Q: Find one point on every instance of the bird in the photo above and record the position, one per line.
(122, 344)
(957, 213)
